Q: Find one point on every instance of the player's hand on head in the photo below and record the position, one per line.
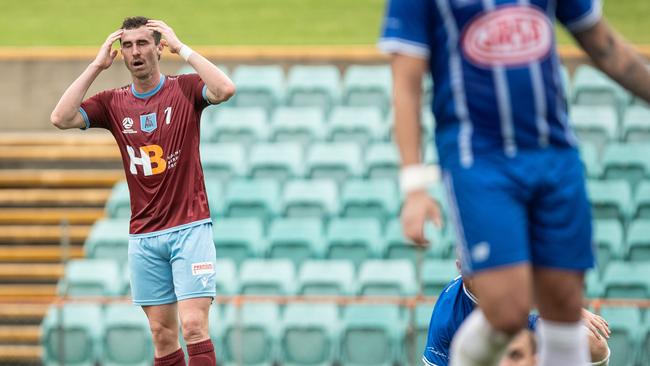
(106, 53)
(419, 208)
(169, 37)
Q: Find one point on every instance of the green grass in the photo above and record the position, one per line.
(234, 22)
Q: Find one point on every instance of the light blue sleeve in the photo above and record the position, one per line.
(406, 28)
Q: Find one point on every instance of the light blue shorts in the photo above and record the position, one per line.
(173, 265)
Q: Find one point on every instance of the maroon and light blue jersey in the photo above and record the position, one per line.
(496, 73)
(158, 136)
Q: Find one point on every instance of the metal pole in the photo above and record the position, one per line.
(65, 255)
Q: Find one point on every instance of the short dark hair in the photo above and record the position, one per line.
(137, 22)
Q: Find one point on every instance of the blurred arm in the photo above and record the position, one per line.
(66, 114)
(220, 87)
(616, 58)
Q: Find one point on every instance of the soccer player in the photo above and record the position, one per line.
(508, 156)
(155, 122)
(457, 301)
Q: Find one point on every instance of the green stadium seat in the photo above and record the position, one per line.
(387, 278)
(108, 239)
(591, 160)
(223, 161)
(127, 338)
(326, 277)
(399, 247)
(431, 154)
(214, 191)
(417, 340)
(625, 325)
(259, 86)
(427, 90)
(638, 241)
(608, 237)
(436, 274)
(244, 125)
(280, 161)
(630, 162)
(119, 203)
(297, 239)
(239, 238)
(382, 161)
(610, 199)
(372, 335)
(313, 86)
(310, 198)
(259, 198)
(627, 280)
(338, 161)
(593, 285)
(227, 282)
(592, 87)
(310, 334)
(250, 335)
(376, 198)
(642, 201)
(216, 326)
(365, 85)
(566, 80)
(80, 330)
(267, 277)
(356, 124)
(595, 124)
(298, 124)
(91, 277)
(644, 342)
(355, 239)
(636, 124)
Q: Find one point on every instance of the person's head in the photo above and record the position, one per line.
(141, 47)
(521, 351)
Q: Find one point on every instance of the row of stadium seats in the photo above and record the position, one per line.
(254, 334)
(336, 276)
(379, 198)
(295, 334)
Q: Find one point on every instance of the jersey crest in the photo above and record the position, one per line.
(508, 36)
(148, 122)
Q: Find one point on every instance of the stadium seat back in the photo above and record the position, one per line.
(277, 161)
(610, 199)
(223, 161)
(79, 330)
(308, 339)
(127, 338)
(595, 124)
(399, 247)
(326, 277)
(91, 277)
(355, 239)
(636, 124)
(241, 125)
(627, 162)
(359, 125)
(387, 278)
(119, 203)
(267, 277)
(365, 85)
(625, 326)
(376, 198)
(627, 280)
(227, 282)
(638, 241)
(336, 161)
(310, 198)
(108, 239)
(382, 161)
(313, 86)
(642, 201)
(298, 124)
(436, 274)
(258, 198)
(608, 237)
(258, 86)
(296, 239)
(239, 238)
(251, 334)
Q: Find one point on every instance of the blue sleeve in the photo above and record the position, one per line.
(532, 321)
(578, 15)
(406, 28)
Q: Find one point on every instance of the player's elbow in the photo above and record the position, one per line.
(57, 120)
(228, 90)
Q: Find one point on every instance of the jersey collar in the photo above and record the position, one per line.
(150, 92)
(470, 295)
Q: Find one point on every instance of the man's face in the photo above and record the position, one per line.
(519, 352)
(140, 52)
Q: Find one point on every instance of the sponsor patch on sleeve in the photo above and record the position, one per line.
(202, 268)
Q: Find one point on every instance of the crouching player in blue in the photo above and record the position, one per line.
(457, 301)
(510, 165)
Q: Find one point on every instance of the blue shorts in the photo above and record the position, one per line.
(173, 265)
(532, 208)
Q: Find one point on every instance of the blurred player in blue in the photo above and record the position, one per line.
(510, 164)
(457, 301)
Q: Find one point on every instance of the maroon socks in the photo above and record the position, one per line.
(202, 353)
(173, 359)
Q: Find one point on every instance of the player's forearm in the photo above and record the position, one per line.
(67, 108)
(219, 85)
(407, 93)
(616, 58)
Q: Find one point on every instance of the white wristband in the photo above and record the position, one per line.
(185, 52)
(417, 177)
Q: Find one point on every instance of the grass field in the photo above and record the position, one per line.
(235, 22)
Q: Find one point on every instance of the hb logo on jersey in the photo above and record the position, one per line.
(151, 159)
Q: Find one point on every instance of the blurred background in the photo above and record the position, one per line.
(301, 172)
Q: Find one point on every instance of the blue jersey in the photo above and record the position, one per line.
(454, 304)
(496, 73)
